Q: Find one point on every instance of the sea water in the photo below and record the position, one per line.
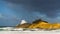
(6, 28)
(21, 29)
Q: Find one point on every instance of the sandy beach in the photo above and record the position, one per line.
(29, 32)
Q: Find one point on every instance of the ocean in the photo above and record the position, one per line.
(5, 28)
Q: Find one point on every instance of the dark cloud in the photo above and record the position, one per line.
(30, 10)
(47, 7)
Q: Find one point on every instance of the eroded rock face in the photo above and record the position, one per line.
(38, 21)
(44, 25)
(56, 26)
(25, 25)
(40, 24)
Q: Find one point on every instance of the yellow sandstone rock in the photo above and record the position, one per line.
(44, 25)
(32, 26)
(56, 26)
(40, 24)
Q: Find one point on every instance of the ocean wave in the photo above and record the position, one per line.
(23, 29)
(6, 28)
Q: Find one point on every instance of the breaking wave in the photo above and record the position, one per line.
(21, 29)
(6, 28)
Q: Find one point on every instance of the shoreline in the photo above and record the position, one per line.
(29, 32)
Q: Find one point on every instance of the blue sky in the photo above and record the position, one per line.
(13, 11)
(7, 16)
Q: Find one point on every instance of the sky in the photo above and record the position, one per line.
(13, 11)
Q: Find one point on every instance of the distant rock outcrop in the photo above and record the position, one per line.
(23, 24)
(39, 24)
(38, 21)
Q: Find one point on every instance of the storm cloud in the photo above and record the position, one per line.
(30, 10)
(47, 7)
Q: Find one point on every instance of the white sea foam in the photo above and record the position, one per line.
(23, 29)
(7, 30)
